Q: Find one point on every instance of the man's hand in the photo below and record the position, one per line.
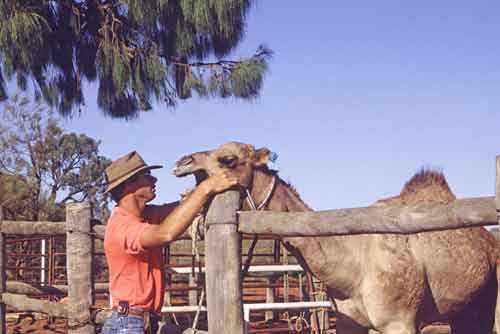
(219, 182)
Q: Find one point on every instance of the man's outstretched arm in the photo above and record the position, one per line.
(175, 223)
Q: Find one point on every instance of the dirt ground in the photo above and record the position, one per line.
(42, 326)
(20, 323)
(27, 325)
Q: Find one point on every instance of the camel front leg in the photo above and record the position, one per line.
(346, 325)
(349, 320)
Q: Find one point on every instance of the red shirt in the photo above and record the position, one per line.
(135, 273)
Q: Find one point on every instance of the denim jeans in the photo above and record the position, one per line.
(130, 324)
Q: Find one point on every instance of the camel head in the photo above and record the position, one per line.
(241, 159)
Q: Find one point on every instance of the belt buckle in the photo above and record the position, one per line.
(123, 308)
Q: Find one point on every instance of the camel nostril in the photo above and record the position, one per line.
(176, 171)
(184, 161)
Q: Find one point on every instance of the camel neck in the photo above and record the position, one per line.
(283, 196)
(294, 202)
(262, 189)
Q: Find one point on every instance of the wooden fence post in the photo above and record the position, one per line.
(272, 280)
(286, 280)
(193, 292)
(322, 314)
(79, 254)
(3, 268)
(167, 297)
(223, 265)
(497, 201)
(497, 186)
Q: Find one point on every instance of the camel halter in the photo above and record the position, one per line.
(261, 206)
(251, 201)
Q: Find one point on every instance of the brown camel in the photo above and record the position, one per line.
(395, 284)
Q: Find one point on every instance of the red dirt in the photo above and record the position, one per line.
(41, 326)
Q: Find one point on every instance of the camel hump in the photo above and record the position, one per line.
(426, 186)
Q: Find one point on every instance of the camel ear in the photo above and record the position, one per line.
(261, 156)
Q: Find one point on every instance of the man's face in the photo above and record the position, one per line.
(144, 186)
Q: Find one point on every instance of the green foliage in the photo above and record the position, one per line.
(246, 80)
(14, 196)
(138, 50)
(42, 167)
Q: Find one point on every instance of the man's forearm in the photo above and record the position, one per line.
(182, 216)
(177, 221)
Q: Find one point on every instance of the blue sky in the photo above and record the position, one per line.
(360, 95)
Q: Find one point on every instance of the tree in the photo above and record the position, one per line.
(42, 167)
(138, 50)
(14, 196)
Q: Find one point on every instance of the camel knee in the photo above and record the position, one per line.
(349, 329)
(400, 331)
(399, 328)
(346, 325)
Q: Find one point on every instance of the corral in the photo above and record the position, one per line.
(40, 272)
(223, 259)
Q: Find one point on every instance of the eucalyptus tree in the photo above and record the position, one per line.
(139, 51)
(42, 167)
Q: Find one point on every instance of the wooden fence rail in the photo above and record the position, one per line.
(32, 228)
(469, 212)
(35, 290)
(26, 304)
(53, 229)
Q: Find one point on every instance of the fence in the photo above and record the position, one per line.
(79, 231)
(223, 260)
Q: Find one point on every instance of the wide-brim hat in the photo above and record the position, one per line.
(124, 168)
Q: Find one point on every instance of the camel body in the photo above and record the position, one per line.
(395, 284)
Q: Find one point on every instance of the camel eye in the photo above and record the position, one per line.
(228, 161)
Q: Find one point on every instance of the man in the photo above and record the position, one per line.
(134, 237)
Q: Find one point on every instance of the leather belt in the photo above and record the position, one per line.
(135, 311)
(145, 315)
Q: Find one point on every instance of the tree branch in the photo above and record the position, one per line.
(70, 195)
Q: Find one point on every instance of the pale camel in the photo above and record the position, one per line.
(395, 284)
